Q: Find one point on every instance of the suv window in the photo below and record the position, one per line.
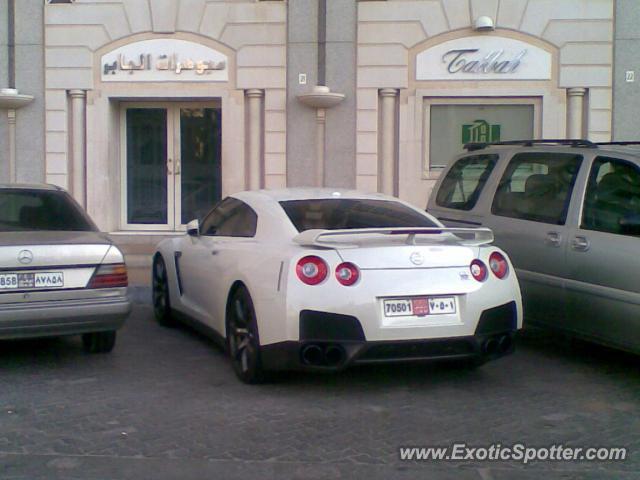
(613, 194)
(230, 218)
(537, 186)
(463, 184)
(25, 210)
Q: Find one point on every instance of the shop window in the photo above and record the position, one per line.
(454, 125)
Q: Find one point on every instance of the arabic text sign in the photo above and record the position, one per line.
(164, 60)
(483, 58)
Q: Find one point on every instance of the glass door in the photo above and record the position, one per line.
(147, 187)
(198, 165)
(171, 164)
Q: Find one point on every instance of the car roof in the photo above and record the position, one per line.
(544, 145)
(29, 186)
(308, 193)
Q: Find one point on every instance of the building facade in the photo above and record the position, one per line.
(626, 98)
(22, 122)
(150, 111)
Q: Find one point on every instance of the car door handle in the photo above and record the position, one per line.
(214, 252)
(581, 244)
(554, 239)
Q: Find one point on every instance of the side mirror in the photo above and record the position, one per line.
(630, 224)
(193, 228)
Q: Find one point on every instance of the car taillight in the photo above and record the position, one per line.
(311, 270)
(106, 276)
(498, 264)
(347, 273)
(478, 270)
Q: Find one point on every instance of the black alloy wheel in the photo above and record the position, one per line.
(243, 342)
(160, 293)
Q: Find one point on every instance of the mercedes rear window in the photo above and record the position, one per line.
(31, 210)
(348, 213)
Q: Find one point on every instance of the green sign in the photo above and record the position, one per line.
(480, 131)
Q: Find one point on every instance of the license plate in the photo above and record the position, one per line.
(419, 306)
(42, 280)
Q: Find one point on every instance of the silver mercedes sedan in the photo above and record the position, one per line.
(58, 274)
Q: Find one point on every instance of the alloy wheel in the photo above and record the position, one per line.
(242, 337)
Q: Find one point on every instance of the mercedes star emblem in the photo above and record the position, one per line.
(25, 256)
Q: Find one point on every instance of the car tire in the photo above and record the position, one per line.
(99, 342)
(160, 293)
(243, 341)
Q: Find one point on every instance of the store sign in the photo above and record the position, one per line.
(164, 60)
(480, 131)
(483, 58)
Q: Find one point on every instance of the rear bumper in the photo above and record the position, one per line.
(63, 317)
(335, 356)
(333, 342)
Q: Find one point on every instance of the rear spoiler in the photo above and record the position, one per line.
(465, 236)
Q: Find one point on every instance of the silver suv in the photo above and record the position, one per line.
(568, 214)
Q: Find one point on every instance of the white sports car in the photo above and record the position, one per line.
(321, 279)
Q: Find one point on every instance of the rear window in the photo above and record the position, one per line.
(336, 214)
(28, 210)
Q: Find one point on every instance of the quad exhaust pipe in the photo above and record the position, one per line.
(333, 355)
(312, 355)
(498, 345)
(317, 355)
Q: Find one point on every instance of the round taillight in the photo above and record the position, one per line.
(478, 270)
(311, 270)
(498, 264)
(347, 273)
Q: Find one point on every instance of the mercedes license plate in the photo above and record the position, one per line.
(40, 280)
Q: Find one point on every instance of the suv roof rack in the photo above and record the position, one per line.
(470, 147)
(636, 142)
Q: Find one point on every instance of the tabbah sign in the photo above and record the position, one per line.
(483, 58)
(164, 60)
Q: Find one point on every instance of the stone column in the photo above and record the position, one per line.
(78, 150)
(254, 140)
(387, 155)
(575, 105)
(11, 118)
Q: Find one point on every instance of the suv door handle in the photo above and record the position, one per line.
(554, 239)
(581, 244)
